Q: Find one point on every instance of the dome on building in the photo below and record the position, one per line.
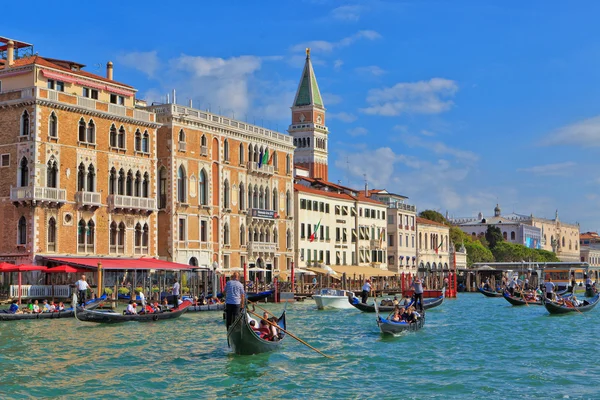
(497, 211)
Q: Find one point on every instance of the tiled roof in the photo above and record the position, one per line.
(424, 221)
(38, 60)
(360, 196)
(589, 235)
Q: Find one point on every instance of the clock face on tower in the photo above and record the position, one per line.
(319, 119)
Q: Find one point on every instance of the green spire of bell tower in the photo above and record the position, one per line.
(308, 93)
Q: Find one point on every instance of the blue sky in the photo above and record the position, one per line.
(455, 104)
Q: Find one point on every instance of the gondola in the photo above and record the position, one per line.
(489, 293)
(519, 301)
(427, 304)
(67, 313)
(254, 297)
(387, 326)
(207, 307)
(555, 308)
(244, 341)
(590, 291)
(111, 317)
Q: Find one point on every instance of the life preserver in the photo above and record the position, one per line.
(155, 318)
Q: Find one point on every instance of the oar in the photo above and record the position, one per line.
(523, 296)
(288, 333)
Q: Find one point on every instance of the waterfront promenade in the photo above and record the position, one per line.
(471, 346)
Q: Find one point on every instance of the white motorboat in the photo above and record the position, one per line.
(333, 298)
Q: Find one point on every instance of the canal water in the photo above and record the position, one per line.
(471, 346)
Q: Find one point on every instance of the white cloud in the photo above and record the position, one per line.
(347, 13)
(331, 99)
(423, 97)
(558, 169)
(583, 133)
(378, 170)
(146, 62)
(342, 116)
(439, 148)
(358, 131)
(327, 47)
(371, 70)
(337, 64)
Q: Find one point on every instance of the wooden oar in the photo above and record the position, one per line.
(523, 296)
(288, 333)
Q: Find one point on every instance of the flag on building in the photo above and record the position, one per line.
(381, 237)
(265, 158)
(260, 158)
(312, 236)
(437, 248)
(271, 159)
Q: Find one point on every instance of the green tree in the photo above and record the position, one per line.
(507, 252)
(434, 216)
(477, 253)
(457, 236)
(540, 255)
(494, 236)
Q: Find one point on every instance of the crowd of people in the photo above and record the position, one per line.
(407, 315)
(35, 307)
(266, 329)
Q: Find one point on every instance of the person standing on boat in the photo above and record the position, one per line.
(588, 283)
(366, 290)
(417, 285)
(175, 294)
(549, 286)
(82, 287)
(234, 298)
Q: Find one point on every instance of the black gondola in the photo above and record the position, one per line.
(519, 301)
(111, 317)
(67, 313)
(556, 308)
(207, 307)
(427, 304)
(387, 326)
(254, 297)
(243, 340)
(489, 293)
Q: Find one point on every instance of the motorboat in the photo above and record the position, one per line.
(333, 298)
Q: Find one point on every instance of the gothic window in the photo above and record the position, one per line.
(91, 178)
(112, 240)
(90, 235)
(275, 236)
(250, 153)
(81, 130)
(226, 150)
(268, 236)
(181, 181)
(53, 125)
(288, 204)
(81, 178)
(241, 153)
(138, 238)
(25, 125)
(261, 237)
(261, 198)
(242, 236)
(146, 185)
(203, 141)
(23, 172)
(91, 132)
(121, 239)
(242, 197)
(146, 142)
(275, 161)
(288, 165)
(249, 196)
(288, 239)
(121, 137)
(275, 200)
(182, 136)
(138, 140)
(267, 199)
(52, 174)
(162, 187)
(512, 236)
(307, 142)
(22, 231)
(145, 233)
(113, 135)
(255, 202)
(121, 186)
(226, 233)
(137, 188)
(226, 194)
(203, 195)
(129, 183)
(256, 153)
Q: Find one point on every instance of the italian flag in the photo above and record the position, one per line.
(312, 236)
(265, 158)
(437, 248)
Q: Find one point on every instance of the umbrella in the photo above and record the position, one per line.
(65, 269)
(19, 269)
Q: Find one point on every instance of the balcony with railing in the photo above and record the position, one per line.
(402, 206)
(131, 204)
(262, 170)
(203, 151)
(261, 247)
(88, 200)
(376, 243)
(33, 195)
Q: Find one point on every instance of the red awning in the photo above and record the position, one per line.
(121, 263)
(22, 268)
(64, 269)
(91, 84)
(119, 91)
(57, 76)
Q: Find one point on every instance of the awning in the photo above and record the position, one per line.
(350, 270)
(303, 271)
(57, 76)
(143, 263)
(119, 91)
(91, 84)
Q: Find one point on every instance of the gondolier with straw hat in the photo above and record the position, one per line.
(234, 298)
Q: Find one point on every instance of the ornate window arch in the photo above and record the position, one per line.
(26, 123)
(53, 125)
(203, 185)
(51, 236)
(22, 231)
(181, 184)
(113, 135)
(121, 137)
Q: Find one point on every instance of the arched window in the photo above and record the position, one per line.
(420, 241)
(138, 238)
(162, 187)
(181, 181)
(250, 153)
(181, 136)
(203, 141)
(242, 236)
(288, 165)
(255, 236)
(121, 186)
(113, 237)
(121, 239)
(145, 231)
(91, 132)
(288, 204)
(53, 125)
(288, 239)
(81, 228)
(308, 142)
(81, 130)
(22, 231)
(255, 198)
(268, 236)
(275, 161)
(23, 172)
(570, 244)
(241, 153)
(563, 241)
(226, 233)
(242, 197)
(226, 150)
(81, 178)
(249, 196)
(129, 184)
(226, 194)
(51, 234)
(121, 137)
(90, 236)
(146, 142)
(267, 199)
(25, 124)
(261, 237)
(146, 185)
(203, 188)
(113, 135)
(91, 178)
(275, 236)
(425, 239)
(275, 200)
(52, 174)
(255, 154)
(138, 140)
(512, 235)
(504, 235)
(261, 198)
(137, 187)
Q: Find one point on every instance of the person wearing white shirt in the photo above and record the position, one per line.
(175, 294)
(131, 308)
(366, 290)
(82, 287)
(142, 299)
(549, 286)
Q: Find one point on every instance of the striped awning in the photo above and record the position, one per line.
(58, 76)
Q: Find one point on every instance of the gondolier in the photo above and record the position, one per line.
(82, 287)
(366, 290)
(417, 285)
(234, 298)
(549, 286)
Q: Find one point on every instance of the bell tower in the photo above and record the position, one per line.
(308, 125)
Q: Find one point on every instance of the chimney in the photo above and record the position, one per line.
(366, 189)
(191, 103)
(10, 52)
(109, 70)
(174, 100)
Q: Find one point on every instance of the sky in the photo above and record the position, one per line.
(458, 105)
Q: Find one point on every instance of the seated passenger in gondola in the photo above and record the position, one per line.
(14, 308)
(265, 330)
(45, 306)
(575, 302)
(486, 285)
(131, 308)
(411, 315)
(36, 307)
(52, 307)
(60, 307)
(397, 317)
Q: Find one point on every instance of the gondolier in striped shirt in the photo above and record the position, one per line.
(234, 298)
(82, 287)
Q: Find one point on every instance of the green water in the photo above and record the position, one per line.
(472, 347)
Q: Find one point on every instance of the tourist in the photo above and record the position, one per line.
(397, 317)
(395, 301)
(45, 306)
(82, 287)
(549, 286)
(575, 302)
(253, 325)
(411, 316)
(417, 285)
(52, 307)
(406, 300)
(366, 290)
(486, 285)
(526, 287)
(131, 308)
(14, 307)
(36, 307)
(234, 298)
(61, 306)
(29, 308)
